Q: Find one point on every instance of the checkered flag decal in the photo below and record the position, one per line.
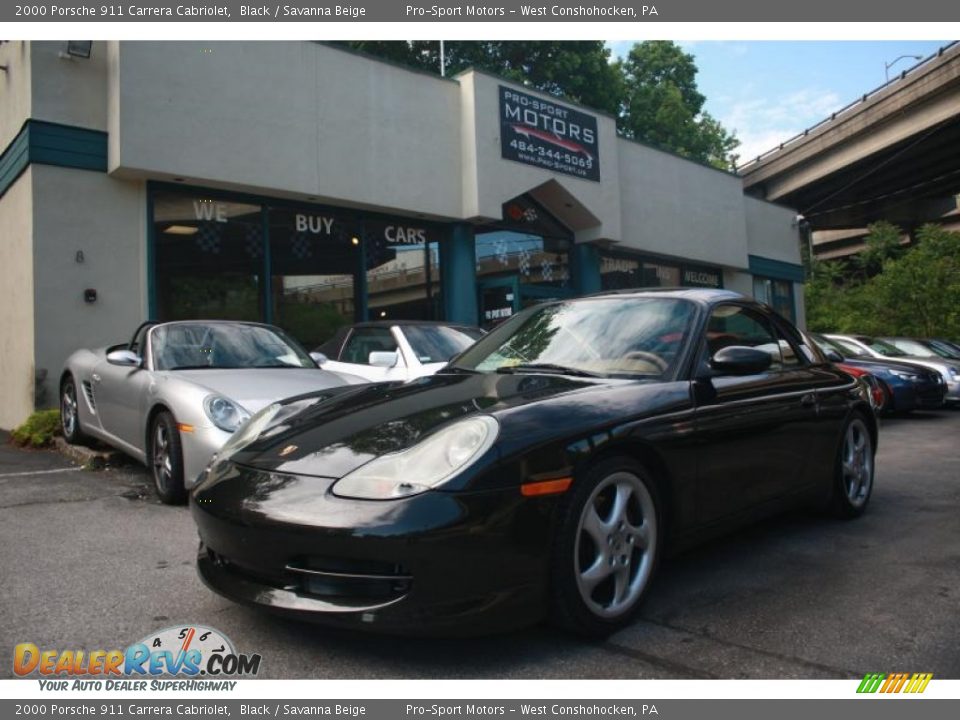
(525, 262)
(300, 246)
(546, 270)
(208, 238)
(253, 242)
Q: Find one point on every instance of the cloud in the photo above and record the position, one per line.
(763, 122)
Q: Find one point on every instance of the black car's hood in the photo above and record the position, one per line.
(359, 423)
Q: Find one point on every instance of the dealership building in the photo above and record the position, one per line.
(306, 186)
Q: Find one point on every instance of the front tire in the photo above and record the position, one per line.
(854, 470)
(70, 412)
(607, 549)
(166, 459)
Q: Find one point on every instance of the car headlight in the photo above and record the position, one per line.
(953, 372)
(905, 375)
(249, 432)
(224, 413)
(426, 465)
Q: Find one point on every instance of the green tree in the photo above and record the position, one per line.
(662, 106)
(913, 291)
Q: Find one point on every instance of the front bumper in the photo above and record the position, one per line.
(442, 563)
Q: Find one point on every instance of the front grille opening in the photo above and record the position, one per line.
(354, 579)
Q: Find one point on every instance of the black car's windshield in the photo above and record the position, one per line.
(187, 346)
(605, 336)
(438, 343)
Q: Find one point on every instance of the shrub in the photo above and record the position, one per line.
(38, 430)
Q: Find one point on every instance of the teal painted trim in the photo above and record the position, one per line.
(458, 275)
(585, 267)
(14, 160)
(66, 146)
(151, 258)
(776, 269)
(46, 143)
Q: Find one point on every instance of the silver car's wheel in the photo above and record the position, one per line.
(166, 459)
(70, 412)
(607, 546)
(857, 463)
(616, 545)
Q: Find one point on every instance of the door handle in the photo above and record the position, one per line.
(808, 400)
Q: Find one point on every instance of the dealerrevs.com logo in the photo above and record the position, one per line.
(188, 651)
(894, 683)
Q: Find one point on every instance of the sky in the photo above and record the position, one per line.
(767, 92)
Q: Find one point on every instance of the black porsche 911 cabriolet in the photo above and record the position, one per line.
(541, 474)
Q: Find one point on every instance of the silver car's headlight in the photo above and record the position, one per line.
(224, 413)
(426, 465)
(249, 432)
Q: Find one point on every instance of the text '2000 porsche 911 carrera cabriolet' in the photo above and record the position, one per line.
(541, 474)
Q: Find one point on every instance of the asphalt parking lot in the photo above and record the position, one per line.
(92, 560)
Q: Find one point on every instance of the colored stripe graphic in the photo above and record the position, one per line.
(894, 683)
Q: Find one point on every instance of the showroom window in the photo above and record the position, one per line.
(314, 258)
(778, 294)
(622, 270)
(402, 270)
(208, 256)
(309, 269)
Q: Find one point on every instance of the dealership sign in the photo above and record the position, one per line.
(552, 136)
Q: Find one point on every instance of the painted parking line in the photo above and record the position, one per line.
(39, 472)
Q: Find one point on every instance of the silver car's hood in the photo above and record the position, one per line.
(942, 366)
(255, 388)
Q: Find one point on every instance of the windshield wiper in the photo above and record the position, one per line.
(457, 369)
(551, 368)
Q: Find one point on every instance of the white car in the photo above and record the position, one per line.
(383, 351)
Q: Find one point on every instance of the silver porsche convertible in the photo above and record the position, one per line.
(174, 394)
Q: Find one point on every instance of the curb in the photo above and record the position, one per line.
(89, 458)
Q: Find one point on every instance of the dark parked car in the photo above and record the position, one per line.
(543, 473)
(907, 387)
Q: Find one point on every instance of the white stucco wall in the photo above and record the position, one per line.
(290, 118)
(16, 303)
(772, 231)
(14, 89)
(105, 218)
(680, 208)
(69, 91)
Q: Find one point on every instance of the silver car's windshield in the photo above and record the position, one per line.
(189, 346)
(601, 336)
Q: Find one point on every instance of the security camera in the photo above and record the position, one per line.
(797, 220)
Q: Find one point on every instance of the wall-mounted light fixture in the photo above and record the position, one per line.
(77, 49)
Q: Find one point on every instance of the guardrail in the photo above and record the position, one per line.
(847, 108)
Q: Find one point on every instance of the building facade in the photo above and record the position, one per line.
(306, 186)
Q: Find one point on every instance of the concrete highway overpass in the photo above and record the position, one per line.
(893, 154)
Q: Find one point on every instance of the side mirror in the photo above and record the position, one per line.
(384, 359)
(833, 356)
(740, 360)
(125, 358)
(319, 358)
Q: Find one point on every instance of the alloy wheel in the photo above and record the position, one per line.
(857, 463)
(615, 545)
(162, 462)
(68, 409)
